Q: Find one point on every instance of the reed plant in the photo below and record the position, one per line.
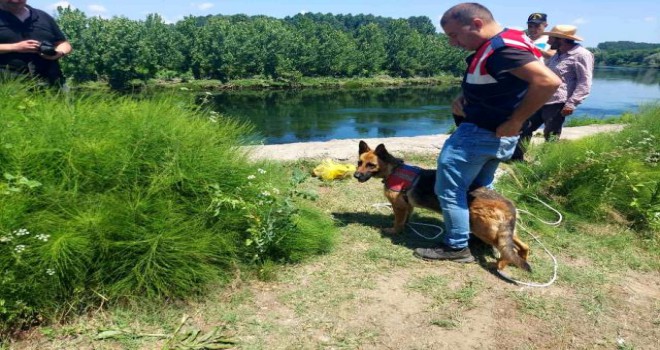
(108, 199)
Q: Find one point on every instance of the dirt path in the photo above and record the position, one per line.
(346, 149)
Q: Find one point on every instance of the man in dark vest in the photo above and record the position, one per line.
(505, 83)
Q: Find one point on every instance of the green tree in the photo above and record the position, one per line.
(188, 31)
(209, 54)
(403, 47)
(118, 45)
(75, 25)
(371, 48)
(158, 49)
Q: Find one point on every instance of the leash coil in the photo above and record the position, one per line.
(379, 207)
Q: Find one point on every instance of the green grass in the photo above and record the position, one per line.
(582, 121)
(611, 177)
(541, 307)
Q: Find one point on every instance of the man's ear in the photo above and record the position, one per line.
(477, 23)
(363, 148)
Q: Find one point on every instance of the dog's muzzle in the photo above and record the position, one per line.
(362, 177)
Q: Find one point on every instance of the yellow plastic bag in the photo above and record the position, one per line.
(331, 170)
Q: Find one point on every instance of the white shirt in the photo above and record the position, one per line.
(542, 43)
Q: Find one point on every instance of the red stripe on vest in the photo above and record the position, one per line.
(402, 178)
(521, 42)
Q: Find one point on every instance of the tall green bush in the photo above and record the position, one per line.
(613, 176)
(115, 199)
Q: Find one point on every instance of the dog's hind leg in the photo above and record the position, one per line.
(523, 249)
(506, 245)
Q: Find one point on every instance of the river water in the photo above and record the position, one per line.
(321, 115)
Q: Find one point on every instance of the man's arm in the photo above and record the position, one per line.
(62, 48)
(25, 46)
(548, 53)
(584, 67)
(542, 84)
(457, 106)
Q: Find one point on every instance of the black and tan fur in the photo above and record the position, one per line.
(492, 216)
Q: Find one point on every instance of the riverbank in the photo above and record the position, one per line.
(203, 85)
(346, 149)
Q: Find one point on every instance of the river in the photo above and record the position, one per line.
(321, 115)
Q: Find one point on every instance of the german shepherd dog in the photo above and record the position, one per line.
(492, 217)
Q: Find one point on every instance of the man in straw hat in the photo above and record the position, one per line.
(575, 65)
(505, 82)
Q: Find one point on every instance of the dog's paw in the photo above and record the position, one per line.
(390, 231)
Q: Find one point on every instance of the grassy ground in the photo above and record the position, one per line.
(371, 293)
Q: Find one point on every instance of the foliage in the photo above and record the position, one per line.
(626, 45)
(108, 199)
(625, 118)
(181, 339)
(120, 50)
(627, 53)
(273, 218)
(614, 177)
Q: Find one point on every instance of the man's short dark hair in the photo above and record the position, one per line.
(464, 13)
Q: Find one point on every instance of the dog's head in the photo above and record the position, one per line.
(374, 163)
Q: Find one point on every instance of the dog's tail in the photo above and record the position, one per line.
(506, 247)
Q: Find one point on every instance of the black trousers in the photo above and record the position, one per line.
(550, 116)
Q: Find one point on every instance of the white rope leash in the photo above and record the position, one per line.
(379, 207)
(533, 284)
(554, 260)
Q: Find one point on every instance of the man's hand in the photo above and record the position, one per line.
(566, 111)
(26, 46)
(457, 106)
(509, 128)
(56, 56)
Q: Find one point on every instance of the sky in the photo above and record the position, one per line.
(597, 20)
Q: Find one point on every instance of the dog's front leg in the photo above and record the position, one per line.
(402, 211)
(400, 218)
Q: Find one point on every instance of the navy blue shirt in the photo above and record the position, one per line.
(39, 26)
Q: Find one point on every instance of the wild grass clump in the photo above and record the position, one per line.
(106, 199)
(582, 121)
(611, 177)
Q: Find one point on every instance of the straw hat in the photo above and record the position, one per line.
(565, 31)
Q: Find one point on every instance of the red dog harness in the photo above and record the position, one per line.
(402, 178)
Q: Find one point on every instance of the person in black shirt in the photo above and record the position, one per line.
(31, 42)
(505, 82)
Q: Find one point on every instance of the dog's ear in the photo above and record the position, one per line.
(363, 147)
(383, 154)
(381, 151)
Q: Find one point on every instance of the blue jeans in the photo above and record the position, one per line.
(468, 159)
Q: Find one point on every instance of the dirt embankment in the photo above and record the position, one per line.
(347, 149)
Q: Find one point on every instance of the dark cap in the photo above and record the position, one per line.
(537, 18)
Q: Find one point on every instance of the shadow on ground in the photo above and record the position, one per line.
(424, 237)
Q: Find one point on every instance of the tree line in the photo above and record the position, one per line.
(119, 50)
(627, 53)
